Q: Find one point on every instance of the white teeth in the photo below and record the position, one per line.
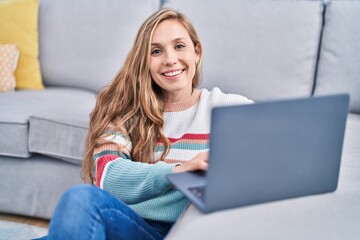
(171, 74)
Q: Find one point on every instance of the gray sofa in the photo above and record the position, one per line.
(264, 49)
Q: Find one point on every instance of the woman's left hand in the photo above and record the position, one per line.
(199, 162)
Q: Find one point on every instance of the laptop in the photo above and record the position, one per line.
(269, 151)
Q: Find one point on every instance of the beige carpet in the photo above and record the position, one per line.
(19, 231)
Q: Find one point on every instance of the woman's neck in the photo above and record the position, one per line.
(176, 106)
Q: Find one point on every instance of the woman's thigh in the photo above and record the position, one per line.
(87, 212)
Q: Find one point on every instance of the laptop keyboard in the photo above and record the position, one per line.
(199, 192)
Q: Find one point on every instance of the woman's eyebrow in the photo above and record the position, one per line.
(155, 44)
(178, 39)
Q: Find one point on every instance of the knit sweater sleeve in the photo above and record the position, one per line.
(130, 181)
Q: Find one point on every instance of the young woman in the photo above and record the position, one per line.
(149, 122)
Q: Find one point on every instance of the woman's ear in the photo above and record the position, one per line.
(198, 51)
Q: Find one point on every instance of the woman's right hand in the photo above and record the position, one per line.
(199, 162)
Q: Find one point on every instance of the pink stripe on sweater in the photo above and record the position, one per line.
(189, 136)
(100, 166)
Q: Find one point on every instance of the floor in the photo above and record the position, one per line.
(26, 220)
(21, 227)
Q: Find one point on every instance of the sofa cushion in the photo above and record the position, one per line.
(69, 30)
(19, 25)
(34, 185)
(339, 64)
(17, 107)
(262, 49)
(61, 132)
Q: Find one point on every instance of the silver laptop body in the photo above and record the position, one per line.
(270, 151)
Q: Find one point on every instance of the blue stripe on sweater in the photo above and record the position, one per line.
(106, 152)
(184, 146)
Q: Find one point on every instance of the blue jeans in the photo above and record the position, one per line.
(87, 212)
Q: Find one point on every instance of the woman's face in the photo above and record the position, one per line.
(172, 60)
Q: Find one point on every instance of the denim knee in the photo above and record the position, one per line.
(79, 197)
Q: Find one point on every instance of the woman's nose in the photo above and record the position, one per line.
(171, 58)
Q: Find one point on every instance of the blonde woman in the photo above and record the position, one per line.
(149, 122)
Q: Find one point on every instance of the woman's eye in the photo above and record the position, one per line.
(156, 52)
(179, 46)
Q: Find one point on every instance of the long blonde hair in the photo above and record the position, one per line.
(133, 103)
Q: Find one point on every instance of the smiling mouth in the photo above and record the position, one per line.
(173, 73)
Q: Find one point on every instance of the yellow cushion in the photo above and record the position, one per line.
(8, 60)
(19, 25)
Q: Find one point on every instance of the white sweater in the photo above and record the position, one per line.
(144, 187)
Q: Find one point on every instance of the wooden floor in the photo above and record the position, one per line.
(26, 220)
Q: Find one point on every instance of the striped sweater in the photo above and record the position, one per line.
(144, 187)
